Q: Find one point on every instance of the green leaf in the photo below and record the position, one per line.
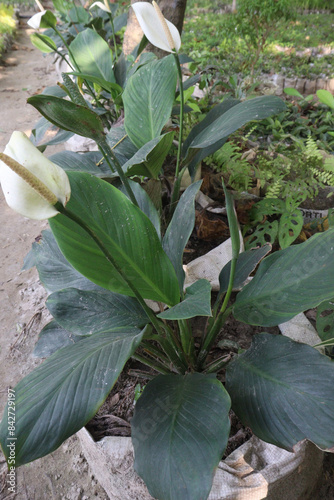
(48, 20)
(180, 229)
(197, 302)
(267, 206)
(106, 85)
(125, 231)
(43, 43)
(148, 100)
(91, 163)
(88, 312)
(52, 338)
(69, 116)
(180, 429)
(193, 159)
(289, 282)
(234, 118)
(92, 56)
(78, 15)
(263, 234)
(119, 141)
(233, 224)
(246, 264)
(144, 202)
(325, 320)
(293, 92)
(290, 226)
(150, 157)
(64, 393)
(54, 271)
(47, 134)
(283, 390)
(326, 97)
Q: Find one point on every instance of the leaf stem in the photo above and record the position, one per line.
(187, 341)
(113, 34)
(218, 364)
(107, 152)
(177, 180)
(158, 325)
(152, 364)
(76, 65)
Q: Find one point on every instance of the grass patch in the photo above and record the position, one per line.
(297, 48)
(7, 25)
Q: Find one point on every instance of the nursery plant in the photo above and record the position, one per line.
(106, 255)
(81, 39)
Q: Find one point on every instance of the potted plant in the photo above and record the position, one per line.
(107, 242)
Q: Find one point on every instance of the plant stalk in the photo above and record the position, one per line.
(177, 180)
(107, 152)
(158, 325)
(152, 364)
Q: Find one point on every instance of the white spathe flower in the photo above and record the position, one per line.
(43, 19)
(20, 196)
(160, 32)
(35, 20)
(104, 6)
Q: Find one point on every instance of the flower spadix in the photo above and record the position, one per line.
(160, 32)
(104, 6)
(31, 183)
(43, 19)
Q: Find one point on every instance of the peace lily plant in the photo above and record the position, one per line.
(108, 252)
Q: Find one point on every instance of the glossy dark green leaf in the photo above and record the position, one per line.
(126, 233)
(92, 55)
(88, 312)
(325, 320)
(52, 338)
(180, 228)
(64, 393)
(149, 159)
(148, 100)
(144, 202)
(290, 226)
(289, 282)
(179, 432)
(246, 264)
(54, 271)
(91, 163)
(193, 158)
(197, 302)
(237, 116)
(108, 86)
(119, 141)
(69, 116)
(283, 390)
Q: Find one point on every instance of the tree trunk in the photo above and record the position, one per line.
(173, 10)
(234, 5)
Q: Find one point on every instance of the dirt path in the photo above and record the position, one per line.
(64, 474)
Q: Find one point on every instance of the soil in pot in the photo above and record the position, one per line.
(114, 416)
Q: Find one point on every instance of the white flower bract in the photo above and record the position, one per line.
(35, 20)
(101, 5)
(153, 29)
(18, 194)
